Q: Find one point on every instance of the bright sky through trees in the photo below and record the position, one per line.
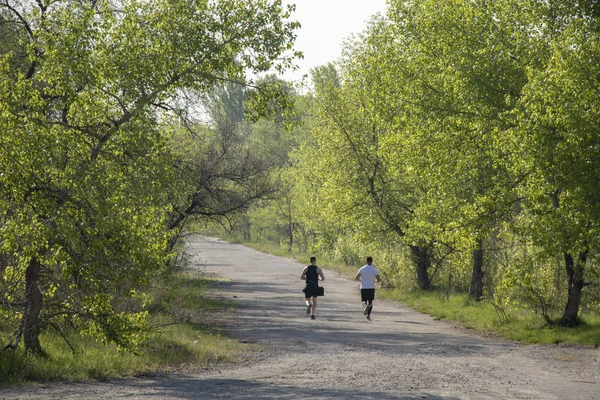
(325, 25)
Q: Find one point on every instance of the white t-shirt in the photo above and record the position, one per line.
(367, 276)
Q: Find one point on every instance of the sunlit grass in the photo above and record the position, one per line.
(185, 336)
(523, 326)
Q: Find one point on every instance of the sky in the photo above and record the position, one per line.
(325, 25)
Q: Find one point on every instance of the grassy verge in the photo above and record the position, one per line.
(185, 337)
(522, 325)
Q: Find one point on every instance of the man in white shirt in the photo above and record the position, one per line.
(367, 276)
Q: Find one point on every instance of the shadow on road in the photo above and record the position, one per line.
(194, 388)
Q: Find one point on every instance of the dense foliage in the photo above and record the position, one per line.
(101, 162)
(458, 142)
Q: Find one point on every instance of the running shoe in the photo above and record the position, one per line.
(308, 308)
(365, 308)
(368, 318)
(312, 317)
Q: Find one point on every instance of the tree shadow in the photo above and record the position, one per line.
(189, 387)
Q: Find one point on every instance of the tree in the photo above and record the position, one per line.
(265, 144)
(361, 188)
(486, 77)
(220, 173)
(457, 67)
(87, 182)
(556, 143)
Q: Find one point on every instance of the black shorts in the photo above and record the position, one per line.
(367, 294)
(311, 290)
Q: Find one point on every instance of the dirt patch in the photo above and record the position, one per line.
(401, 354)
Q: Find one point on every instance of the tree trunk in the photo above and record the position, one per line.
(422, 261)
(246, 229)
(290, 238)
(576, 284)
(476, 289)
(290, 233)
(30, 328)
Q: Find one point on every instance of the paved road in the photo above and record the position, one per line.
(401, 354)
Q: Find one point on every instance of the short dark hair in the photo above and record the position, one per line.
(369, 260)
(313, 258)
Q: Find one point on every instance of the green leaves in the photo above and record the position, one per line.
(458, 123)
(90, 173)
(558, 139)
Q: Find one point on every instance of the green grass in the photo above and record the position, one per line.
(186, 336)
(522, 326)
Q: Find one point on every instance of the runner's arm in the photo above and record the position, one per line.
(321, 276)
(303, 276)
(357, 277)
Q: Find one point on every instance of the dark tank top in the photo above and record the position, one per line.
(312, 276)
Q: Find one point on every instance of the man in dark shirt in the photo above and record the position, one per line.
(312, 274)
